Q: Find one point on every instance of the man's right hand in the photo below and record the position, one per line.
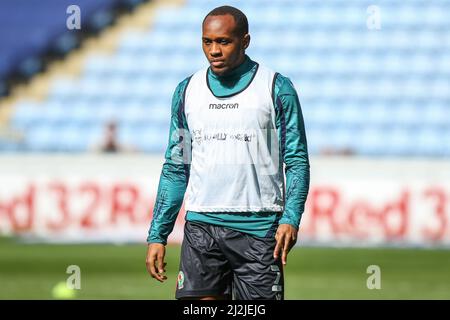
(155, 261)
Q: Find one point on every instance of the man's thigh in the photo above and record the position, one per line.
(256, 274)
(204, 270)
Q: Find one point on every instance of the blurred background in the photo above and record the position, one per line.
(85, 95)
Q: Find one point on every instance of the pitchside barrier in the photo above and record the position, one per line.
(108, 198)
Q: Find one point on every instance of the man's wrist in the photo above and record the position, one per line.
(156, 242)
(292, 224)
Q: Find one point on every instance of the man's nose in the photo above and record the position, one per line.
(215, 50)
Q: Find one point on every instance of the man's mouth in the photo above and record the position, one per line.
(217, 63)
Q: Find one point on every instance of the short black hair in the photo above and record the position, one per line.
(238, 15)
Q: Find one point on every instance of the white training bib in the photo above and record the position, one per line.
(236, 164)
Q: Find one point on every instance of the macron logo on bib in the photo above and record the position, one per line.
(223, 105)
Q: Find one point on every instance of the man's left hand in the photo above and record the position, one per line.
(286, 238)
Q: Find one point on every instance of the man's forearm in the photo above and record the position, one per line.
(297, 188)
(169, 199)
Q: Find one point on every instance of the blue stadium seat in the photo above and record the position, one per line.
(432, 141)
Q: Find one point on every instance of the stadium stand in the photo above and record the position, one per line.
(29, 30)
(381, 92)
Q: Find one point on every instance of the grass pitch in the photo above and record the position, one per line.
(30, 271)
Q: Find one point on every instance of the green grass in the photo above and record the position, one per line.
(29, 271)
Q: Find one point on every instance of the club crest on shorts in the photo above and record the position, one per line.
(180, 280)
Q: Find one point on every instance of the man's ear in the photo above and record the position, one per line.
(246, 41)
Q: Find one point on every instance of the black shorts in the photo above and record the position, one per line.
(217, 261)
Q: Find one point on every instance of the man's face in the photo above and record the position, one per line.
(222, 47)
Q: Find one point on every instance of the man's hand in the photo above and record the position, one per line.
(155, 261)
(286, 237)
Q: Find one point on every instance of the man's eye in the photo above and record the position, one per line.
(224, 42)
(206, 41)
